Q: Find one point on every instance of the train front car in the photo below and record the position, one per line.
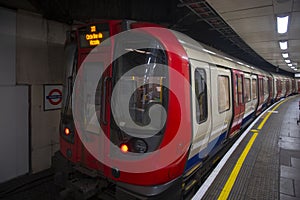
(126, 119)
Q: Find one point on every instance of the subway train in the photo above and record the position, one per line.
(166, 109)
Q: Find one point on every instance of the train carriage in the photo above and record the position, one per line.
(207, 97)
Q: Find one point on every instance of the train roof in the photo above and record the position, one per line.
(198, 51)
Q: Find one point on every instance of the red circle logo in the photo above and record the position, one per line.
(55, 96)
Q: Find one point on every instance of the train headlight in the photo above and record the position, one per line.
(139, 146)
(67, 131)
(124, 148)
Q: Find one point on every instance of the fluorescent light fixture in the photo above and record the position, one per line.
(290, 65)
(287, 61)
(283, 45)
(285, 55)
(282, 24)
(293, 67)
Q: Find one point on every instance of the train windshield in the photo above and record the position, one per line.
(140, 72)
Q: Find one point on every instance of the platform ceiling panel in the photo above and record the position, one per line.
(255, 22)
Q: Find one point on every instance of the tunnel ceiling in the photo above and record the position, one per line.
(194, 18)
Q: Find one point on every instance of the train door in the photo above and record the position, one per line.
(288, 87)
(293, 86)
(85, 65)
(260, 82)
(278, 88)
(94, 64)
(201, 107)
(270, 90)
(249, 109)
(238, 101)
(254, 93)
(265, 91)
(221, 101)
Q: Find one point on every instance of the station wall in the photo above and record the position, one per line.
(14, 137)
(39, 61)
(31, 54)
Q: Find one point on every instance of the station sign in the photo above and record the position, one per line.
(93, 35)
(52, 97)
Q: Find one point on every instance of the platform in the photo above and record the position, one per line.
(266, 163)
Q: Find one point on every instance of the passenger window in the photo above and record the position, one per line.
(201, 95)
(254, 86)
(223, 93)
(247, 92)
(236, 91)
(266, 87)
(261, 86)
(240, 90)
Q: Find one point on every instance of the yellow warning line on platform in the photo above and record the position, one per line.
(228, 186)
(230, 182)
(268, 115)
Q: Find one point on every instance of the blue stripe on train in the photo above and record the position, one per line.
(211, 149)
(265, 105)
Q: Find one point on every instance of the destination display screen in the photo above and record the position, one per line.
(93, 35)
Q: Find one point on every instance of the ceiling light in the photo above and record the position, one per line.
(282, 24)
(287, 61)
(293, 67)
(283, 45)
(285, 55)
(290, 65)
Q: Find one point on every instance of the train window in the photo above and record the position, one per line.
(261, 86)
(223, 93)
(240, 90)
(201, 95)
(140, 73)
(247, 91)
(92, 100)
(236, 91)
(270, 86)
(266, 86)
(254, 89)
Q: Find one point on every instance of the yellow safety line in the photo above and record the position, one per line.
(229, 184)
(268, 115)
